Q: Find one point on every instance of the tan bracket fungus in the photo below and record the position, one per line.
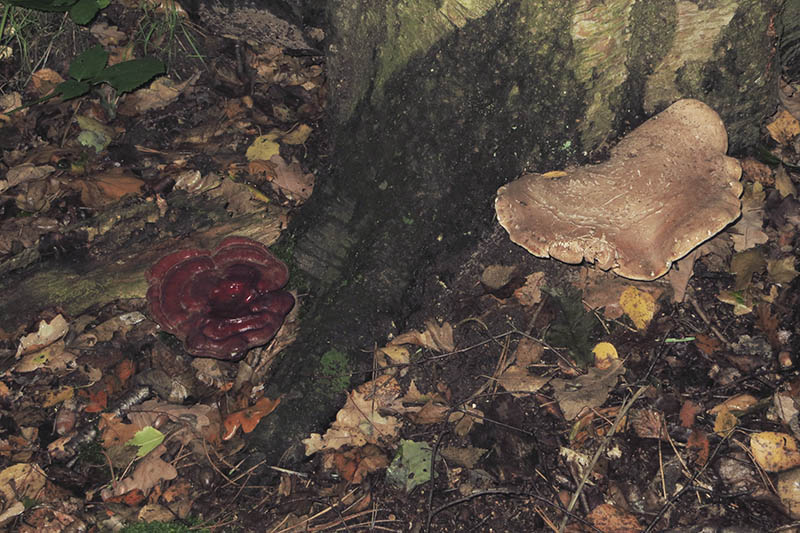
(667, 187)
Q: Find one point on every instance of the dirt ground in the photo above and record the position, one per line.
(525, 395)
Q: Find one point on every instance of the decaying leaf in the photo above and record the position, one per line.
(108, 187)
(648, 424)
(698, 446)
(725, 422)
(435, 337)
(290, 180)
(784, 184)
(611, 519)
(24, 173)
(784, 127)
(742, 301)
(411, 466)
(586, 391)
(46, 334)
(157, 95)
(531, 292)
(689, 411)
(149, 472)
(354, 465)
(774, 452)
(359, 421)
(103, 332)
(466, 457)
(740, 402)
(53, 357)
(519, 382)
(782, 270)
(496, 277)
(199, 421)
(264, 147)
(22, 481)
(115, 432)
(746, 264)
(248, 418)
(747, 232)
(298, 135)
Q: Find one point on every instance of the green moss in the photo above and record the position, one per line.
(73, 291)
(284, 250)
(652, 30)
(334, 368)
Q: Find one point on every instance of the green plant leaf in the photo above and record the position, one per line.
(44, 5)
(127, 76)
(84, 11)
(146, 439)
(89, 64)
(72, 89)
(411, 466)
(574, 326)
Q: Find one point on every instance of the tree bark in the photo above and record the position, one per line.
(436, 103)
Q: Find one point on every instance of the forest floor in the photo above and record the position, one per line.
(514, 404)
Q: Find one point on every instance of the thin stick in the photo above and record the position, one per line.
(600, 450)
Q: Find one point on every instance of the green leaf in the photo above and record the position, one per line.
(574, 326)
(89, 64)
(84, 11)
(72, 89)
(411, 466)
(146, 439)
(44, 5)
(127, 76)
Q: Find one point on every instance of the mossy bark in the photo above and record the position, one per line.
(105, 258)
(436, 103)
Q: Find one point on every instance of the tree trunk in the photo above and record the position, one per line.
(436, 103)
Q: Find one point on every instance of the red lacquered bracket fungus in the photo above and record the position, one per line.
(223, 302)
(667, 187)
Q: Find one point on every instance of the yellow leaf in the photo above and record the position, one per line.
(774, 452)
(57, 396)
(741, 402)
(263, 147)
(724, 422)
(297, 135)
(638, 305)
(398, 355)
(604, 354)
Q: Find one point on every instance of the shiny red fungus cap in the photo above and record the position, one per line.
(220, 303)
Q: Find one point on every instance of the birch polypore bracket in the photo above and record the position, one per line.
(667, 188)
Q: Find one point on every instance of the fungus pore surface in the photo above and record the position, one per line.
(220, 303)
(667, 187)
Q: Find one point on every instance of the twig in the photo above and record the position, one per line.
(600, 450)
(702, 315)
(688, 486)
